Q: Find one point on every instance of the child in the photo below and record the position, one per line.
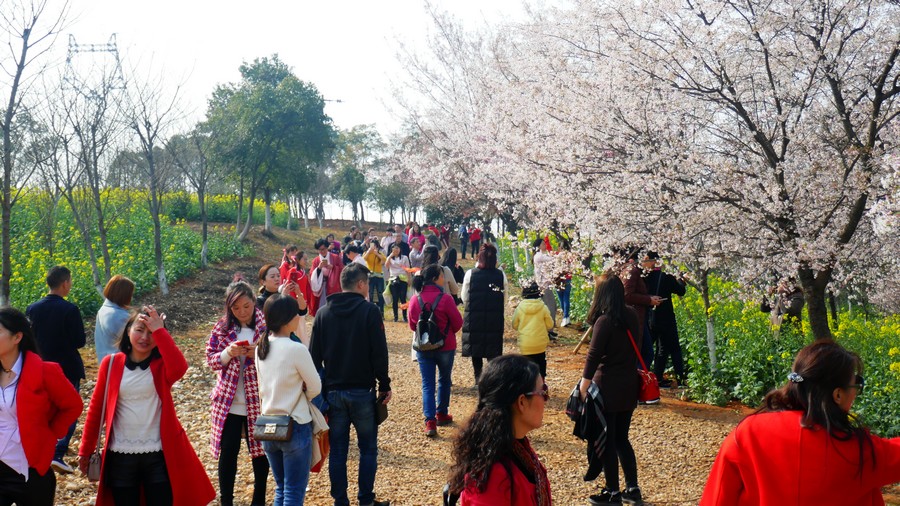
(532, 321)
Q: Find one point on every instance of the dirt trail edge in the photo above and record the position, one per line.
(675, 441)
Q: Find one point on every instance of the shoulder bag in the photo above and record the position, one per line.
(275, 427)
(649, 390)
(95, 465)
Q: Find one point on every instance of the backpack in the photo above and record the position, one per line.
(429, 336)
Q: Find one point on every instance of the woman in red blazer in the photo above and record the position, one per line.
(146, 459)
(37, 406)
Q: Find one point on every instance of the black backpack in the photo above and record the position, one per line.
(429, 336)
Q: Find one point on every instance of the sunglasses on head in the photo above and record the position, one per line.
(543, 392)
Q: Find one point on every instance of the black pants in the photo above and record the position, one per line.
(475, 248)
(129, 474)
(541, 360)
(398, 293)
(618, 449)
(463, 244)
(668, 345)
(37, 491)
(478, 365)
(234, 431)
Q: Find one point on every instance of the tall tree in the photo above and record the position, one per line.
(30, 28)
(189, 154)
(268, 124)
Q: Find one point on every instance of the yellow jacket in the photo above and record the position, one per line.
(375, 261)
(532, 321)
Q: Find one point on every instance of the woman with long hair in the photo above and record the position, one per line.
(446, 315)
(235, 398)
(804, 446)
(287, 381)
(37, 406)
(484, 294)
(610, 364)
(493, 462)
(431, 256)
(148, 458)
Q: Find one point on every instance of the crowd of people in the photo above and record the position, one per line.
(275, 378)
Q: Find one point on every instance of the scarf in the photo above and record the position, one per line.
(527, 461)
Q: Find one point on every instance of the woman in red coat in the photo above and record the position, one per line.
(147, 458)
(37, 406)
(494, 464)
(803, 446)
(324, 276)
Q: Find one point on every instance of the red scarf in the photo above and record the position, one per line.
(527, 461)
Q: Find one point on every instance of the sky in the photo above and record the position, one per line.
(345, 48)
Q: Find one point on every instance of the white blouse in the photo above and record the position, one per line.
(138, 411)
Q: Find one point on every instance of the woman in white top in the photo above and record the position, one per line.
(287, 381)
(397, 265)
(235, 398)
(147, 458)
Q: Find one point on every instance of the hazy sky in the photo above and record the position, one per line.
(346, 48)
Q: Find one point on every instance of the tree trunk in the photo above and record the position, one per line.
(362, 215)
(98, 208)
(204, 249)
(832, 303)
(703, 283)
(155, 205)
(814, 284)
(267, 197)
(88, 241)
(237, 225)
(249, 222)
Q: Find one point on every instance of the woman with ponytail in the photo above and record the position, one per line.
(494, 463)
(446, 315)
(235, 398)
(804, 446)
(287, 381)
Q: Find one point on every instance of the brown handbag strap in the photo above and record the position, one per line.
(103, 411)
(638, 352)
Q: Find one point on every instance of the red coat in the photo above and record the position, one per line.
(296, 274)
(498, 490)
(769, 459)
(46, 405)
(636, 294)
(190, 483)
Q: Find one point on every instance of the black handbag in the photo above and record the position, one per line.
(273, 428)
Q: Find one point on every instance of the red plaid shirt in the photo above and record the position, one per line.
(222, 395)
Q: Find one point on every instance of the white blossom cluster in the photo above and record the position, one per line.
(755, 137)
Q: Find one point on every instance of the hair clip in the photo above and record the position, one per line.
(795, 378)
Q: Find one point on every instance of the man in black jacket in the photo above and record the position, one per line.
(59, 332)
(661, 319)
(348, 341)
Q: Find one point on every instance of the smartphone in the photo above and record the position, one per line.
(242, 343)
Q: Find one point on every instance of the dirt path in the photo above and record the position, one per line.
(675, 441)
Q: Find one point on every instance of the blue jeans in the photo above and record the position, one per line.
(428, 361)
(376, 289)
(356, 406)
(62, 445)
(565, 298)
(290, 465)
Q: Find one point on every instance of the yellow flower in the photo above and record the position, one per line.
(785, 355)
(893, 351)
(732, 342)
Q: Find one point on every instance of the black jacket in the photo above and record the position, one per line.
(482, 332)
(665, 285)
(59, 332)
(348, 341)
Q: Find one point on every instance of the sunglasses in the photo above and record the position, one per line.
(859, 385)
(543, 392)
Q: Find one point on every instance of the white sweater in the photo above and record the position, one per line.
(287, 367)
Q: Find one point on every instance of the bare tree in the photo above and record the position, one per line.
(151, 113)
(29, 39)
(189, 154)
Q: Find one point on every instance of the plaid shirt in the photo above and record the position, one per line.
(222, 395)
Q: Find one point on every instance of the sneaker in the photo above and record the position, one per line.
(430, 428)
(61, 467)
(443, 420)
(552, 335)
(565, 322)
(606, 497)
(632, 496)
